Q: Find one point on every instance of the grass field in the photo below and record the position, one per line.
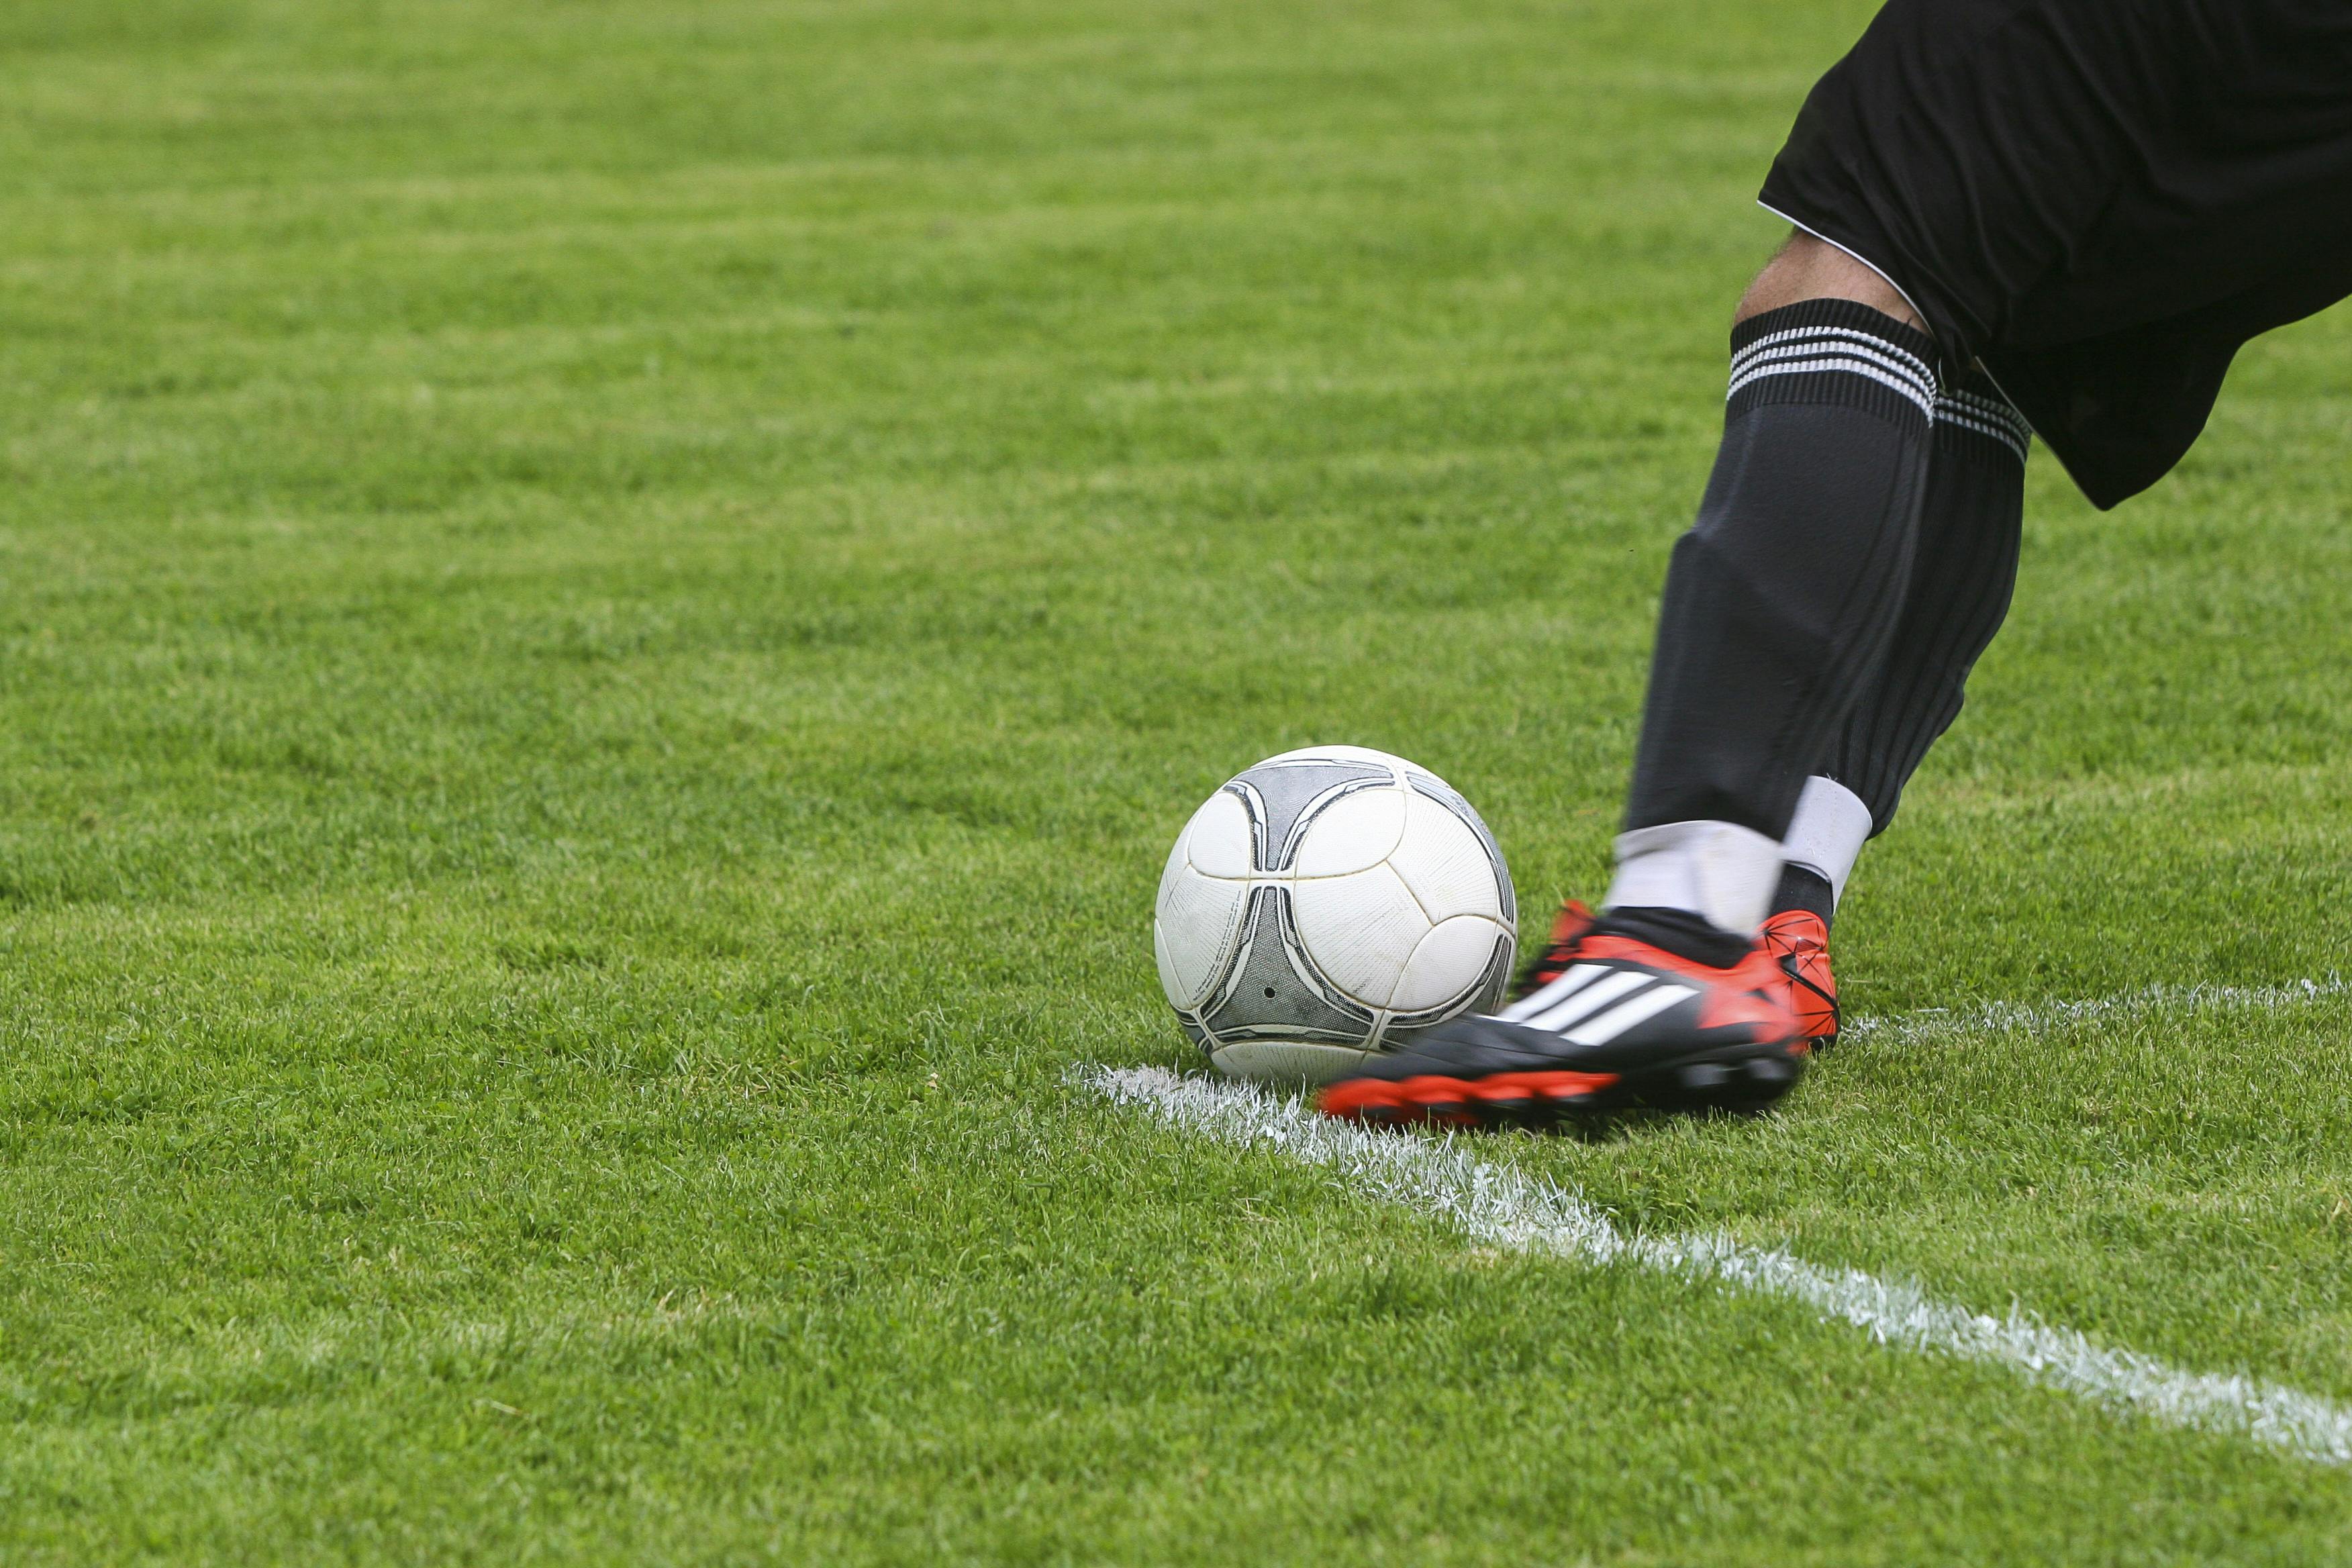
(609, 611)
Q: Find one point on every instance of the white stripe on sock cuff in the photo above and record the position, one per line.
(1891, 360)
(1986, 417)
(1719, 871)
(1946, 409)
(1828, 832)
(1984, 427)
(1991, 408)
(1820, 354)
(1919, 366)
(1925, 400)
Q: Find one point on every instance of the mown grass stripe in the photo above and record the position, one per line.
(1499, 1207)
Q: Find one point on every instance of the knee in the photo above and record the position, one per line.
(1809, 268)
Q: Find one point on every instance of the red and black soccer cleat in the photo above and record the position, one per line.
(1800, 943)
(1604, 1021)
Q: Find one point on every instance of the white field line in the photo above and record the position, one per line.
(2038, 1015)
(1500, 1208)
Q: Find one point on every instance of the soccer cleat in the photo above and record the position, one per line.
(1800, 943)
(1605, 1022)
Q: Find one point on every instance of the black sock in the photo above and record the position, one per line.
(1782, 596)
(1961, 575)
(1802, 888)
(1679, 931)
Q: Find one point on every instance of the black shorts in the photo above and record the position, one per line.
(2100, 199)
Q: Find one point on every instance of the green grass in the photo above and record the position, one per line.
(609, 610)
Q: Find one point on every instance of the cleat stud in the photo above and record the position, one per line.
(1705, 1076)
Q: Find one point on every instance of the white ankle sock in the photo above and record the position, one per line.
(1719, 871)
(1827, 834)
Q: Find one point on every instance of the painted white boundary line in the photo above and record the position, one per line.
(2035, 1016)
(1500, 1208)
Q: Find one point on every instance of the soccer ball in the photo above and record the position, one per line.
(1325, 903)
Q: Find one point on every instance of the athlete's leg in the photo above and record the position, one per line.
(1777, 610)
(1807, 269)
(1962, 574)
(1781, 600)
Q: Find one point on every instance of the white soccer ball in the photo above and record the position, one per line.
(1325, 903)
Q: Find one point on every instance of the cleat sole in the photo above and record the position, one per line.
(1743, 1082)
(1750, 1080)
(1506, 1099)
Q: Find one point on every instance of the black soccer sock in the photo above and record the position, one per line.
(1802, 888)
(1781, 598)
(1962, 572)
(1679, 931)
